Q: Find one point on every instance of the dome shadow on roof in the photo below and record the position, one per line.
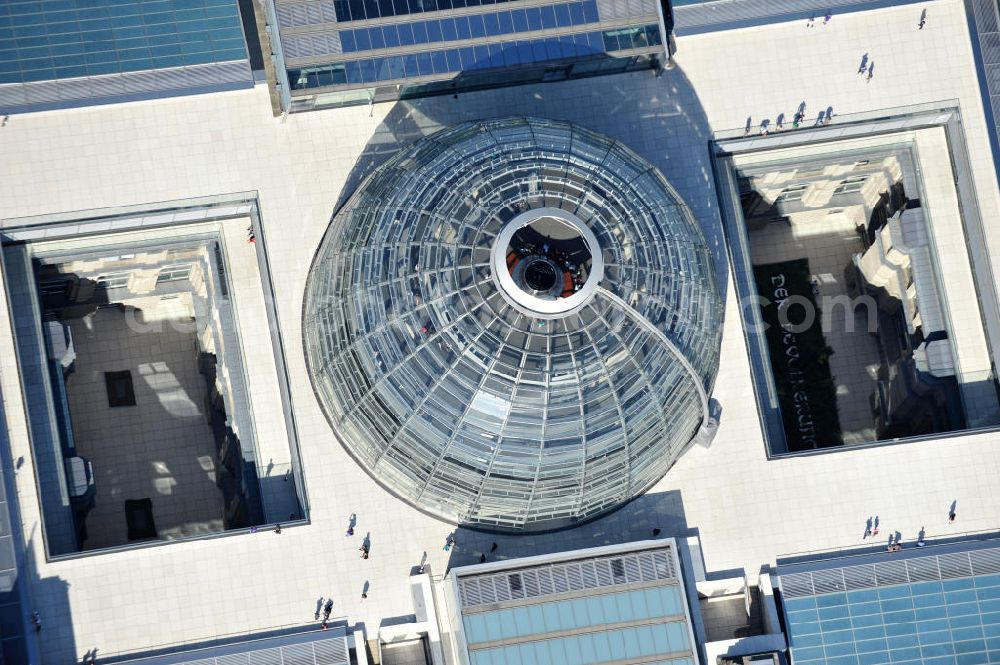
(513, 324)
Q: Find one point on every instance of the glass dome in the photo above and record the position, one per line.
(514, 324)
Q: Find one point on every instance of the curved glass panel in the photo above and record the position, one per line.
(488, 414)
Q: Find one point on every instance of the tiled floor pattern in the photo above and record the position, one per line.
(405, 653)
(162, 447)
(724, 617)
(855, 359)
(747, 509)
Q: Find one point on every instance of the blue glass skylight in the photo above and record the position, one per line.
(58, 39)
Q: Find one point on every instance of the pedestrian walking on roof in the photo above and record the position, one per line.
(864, 65)
(920, 538)
(923, 20)
(826, 19)
(277, 528)
(952, 511)
(327, 609)
(868, 529)
(871, 72)
(493, 548)
(482, 558)
(656, 532)
(875, 530)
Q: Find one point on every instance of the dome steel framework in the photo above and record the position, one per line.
(514, 324)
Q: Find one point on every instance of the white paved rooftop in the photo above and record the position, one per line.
(747, 509)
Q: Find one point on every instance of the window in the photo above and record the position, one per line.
(792, 193)
(55, 287)
(113, 280)
(173, 274)
(851, 185)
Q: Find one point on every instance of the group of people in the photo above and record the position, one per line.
(896, 538)
(823, 119)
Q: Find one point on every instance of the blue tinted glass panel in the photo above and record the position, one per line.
(424, 65)
(347, 41)
(391, 36)
(496, 55)
(506, 20)
(548, 17)
(462, 27)
(363, 41)
(368, 73)
(439, 62)
(448, 29)
(951, 622)
(410, 66)
(353, 72)
(477, 27)
(508, 53)
(563, 18)
(405, 34)
(468, 57)
(115, 39)
(491, 23)
(482, 56)
(534, 18)
(520, 18)
(419, 33)
(434, 33)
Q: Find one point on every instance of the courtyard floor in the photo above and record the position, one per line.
(855, 360)
(161, 448)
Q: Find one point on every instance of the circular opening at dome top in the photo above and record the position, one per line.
(547, 262)
(541, 275)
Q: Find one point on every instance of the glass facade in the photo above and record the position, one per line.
(57, 39)
(472, 409)
(932, 610)
(359, 10)
(392, 49)
(476, 26)
(455, 60)
(603, 646)
(627, 607)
